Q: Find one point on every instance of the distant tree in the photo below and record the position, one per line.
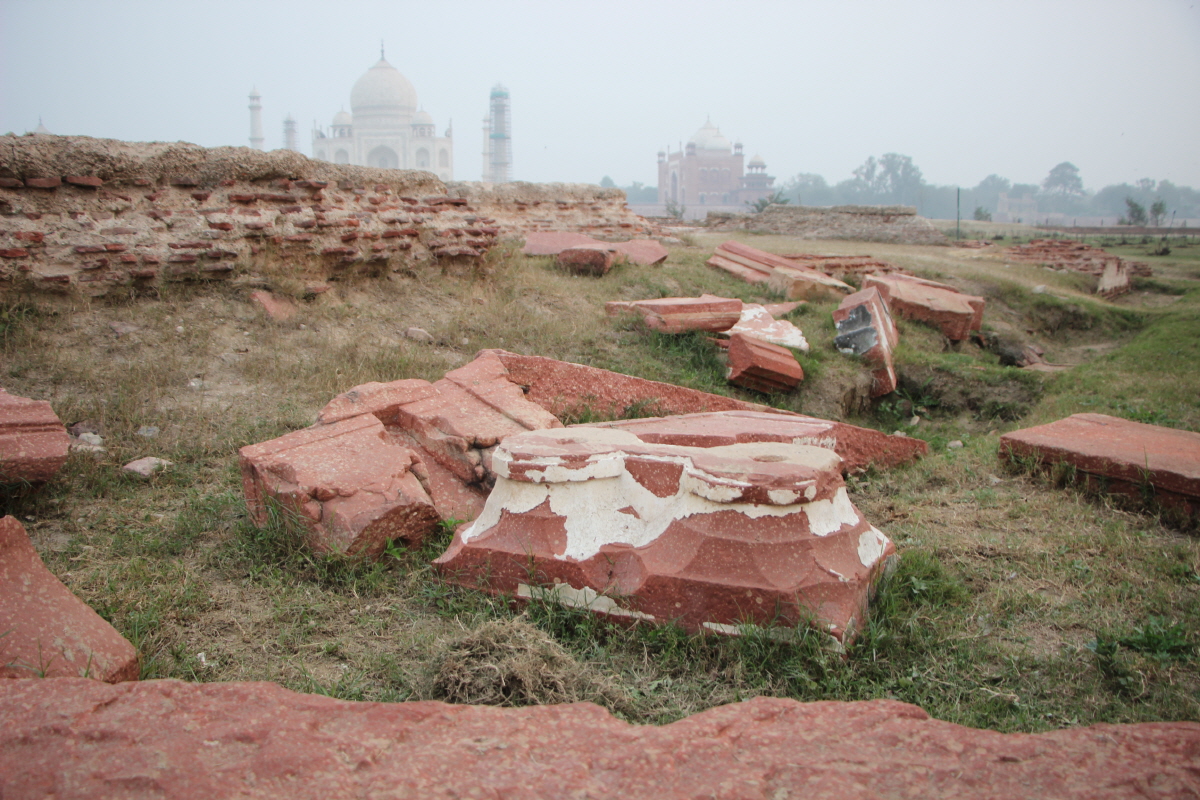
(773, 199)
(982, 214)
(893, 178)
(674, 210)
(607, 182)
(1157, 211)
(1146, 185)
(808, 187)
(1064, 180)
(640, 193)
(1136, 213)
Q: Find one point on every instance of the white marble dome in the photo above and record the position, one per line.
(343, 118)
(383, 90)
(709, 138)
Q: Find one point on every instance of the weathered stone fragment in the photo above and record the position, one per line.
(708, 537)
(1112, 273)
(551, 243)
(865, 328)
(147, 467)
(793, 281)
(79, 739)
(677, 314)
(45, 631)
(762, 366)
(643, 252)
(1128, 457)
(758, 323)
(279, 309)
(588, 259)
(954, 313)
(843, 266)
(33, 441)
(347, 482)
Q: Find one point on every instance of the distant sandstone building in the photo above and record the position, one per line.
(385, 128)
(710, 172)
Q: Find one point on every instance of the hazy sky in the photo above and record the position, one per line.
(598, 88)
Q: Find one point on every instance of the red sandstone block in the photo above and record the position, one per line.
(678, 314)
(865, 328)
(551, 243)
(49, 632)
(33, 442)
(954, 313)
(588, 259)
(1129, 456)
(644, 252)
(762, 366)
(348, 483)
(11, 183)
(43, 183)
(14, 252)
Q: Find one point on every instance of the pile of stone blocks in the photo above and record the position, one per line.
(843, 266)
(47, 632)
(709, 536)
(1112, 273)
(1118, 455)
(952, 312)
(33, 441)
(584, 255)
(388, 461)
(791, 280)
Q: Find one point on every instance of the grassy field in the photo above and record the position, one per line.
(1019, 604)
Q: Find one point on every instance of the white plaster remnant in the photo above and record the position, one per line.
(586, 598)
(756, 322)
(871, 544)
(824, 442)
(829, 516)
(784, 497)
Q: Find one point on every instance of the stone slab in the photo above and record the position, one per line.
(677, 314)
(588, 259)
(643, 252)
(45, 631)
(792, 280)
(280, 309)
(865, 328)
(758, 323)
(75, 739)
(704, 537)
(1129, 455)
(762, 366)
(33, 441)
(346, 482)
(551, 243)
(954, 313)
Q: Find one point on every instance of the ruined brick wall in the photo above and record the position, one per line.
(99, 217)
(899, 224)
(521, 208)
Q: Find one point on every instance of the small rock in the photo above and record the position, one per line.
(88, 443)
(1039, 289)
(419, 335)
(86, 426)
(148, 431)
(914, 421)
(122, 328)
(93, 439)
(955, 445)
(994, 481)
(146, 466)
(465, 341)
(195, 383)
(179, 329)
(901, 434)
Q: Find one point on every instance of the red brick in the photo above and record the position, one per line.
(187, 245)
(306, 223)
(90, 181)
(200, 197)
(11, 183)
(33, 237)
(257, 226)
(221, 226)
(275, 198)
(339, 251)
(119, 231)
(243, 198)
(312, 184)
(184, 180)
(115, 248)
(142, 182)
(349, 237)
(182, 258)
(14, 252)
(299, 237)
(128, 258)
(148, 259)
(143, 273)
(43, 183)
(88, 248)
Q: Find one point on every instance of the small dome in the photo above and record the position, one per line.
(383, 90)
(343, 118)
(757, 161)
(423, 117)
(709, 138)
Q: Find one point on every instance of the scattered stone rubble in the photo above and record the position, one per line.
(708, 537)
(47, 632)
(165, 738)
(865, 328)
(1112, 273)
(1117, 455)
(389, 460)
(898, 224)
(643, 252)
(843, 266)
(938, 304)
(33, 441)
(98, 216)
(793, 281)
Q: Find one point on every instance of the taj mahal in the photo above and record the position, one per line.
(385, 127)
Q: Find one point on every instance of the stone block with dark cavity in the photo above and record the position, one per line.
(865, 328)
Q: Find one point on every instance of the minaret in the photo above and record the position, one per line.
(289, 134)
(487, 149)
(256, 134)
(500, 137)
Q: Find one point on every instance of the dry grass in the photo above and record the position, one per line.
(1019, 605)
